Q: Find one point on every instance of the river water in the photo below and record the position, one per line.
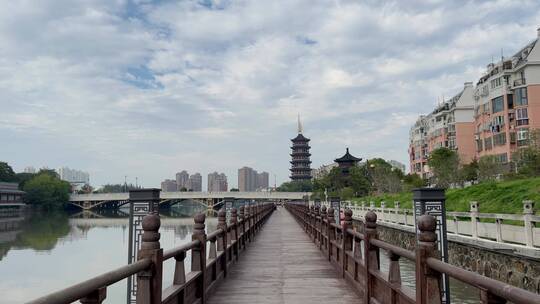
(44, 252)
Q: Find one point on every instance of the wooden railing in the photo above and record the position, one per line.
(356, 255)
(224, 246)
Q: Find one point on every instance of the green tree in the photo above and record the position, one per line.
(47, 192)
(489, 168)
(469, 172)
(296, 186)
(6, 173)
(444, 164)
(384, 177)
(413, 180)
(22, 178)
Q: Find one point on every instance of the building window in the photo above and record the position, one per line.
(487, 143)
(521, 96)
(495, 83)
(510, 101)
(479, 145)
(499, 139)
(522, 117)
(497, 104)
(522, 137)
(501, 158)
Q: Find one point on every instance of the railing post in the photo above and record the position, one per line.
(428, 281)
(363, 206)
(474, 219)
(222, 240)
(242, 229)
(95, 297)
(198, 255)
(371, 253)
(371, 205)
(179, 269)
(316, 218)
(347, 239)
(498, 228)
(456, 225)
(383, 208)
(528, 210)
(394, 274)
(487, 297)
(149, 281)
(396, 211)
(330, 232)
(323, 228)
(234, 230)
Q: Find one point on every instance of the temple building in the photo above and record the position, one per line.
(346, 162)
(300, 163)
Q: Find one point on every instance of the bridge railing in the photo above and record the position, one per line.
(211, 256)
(356, 255)
(520, 229)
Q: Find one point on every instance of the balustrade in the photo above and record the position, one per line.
(207, 266)
(356, 255)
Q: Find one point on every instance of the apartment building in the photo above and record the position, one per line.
(507, 103)
(449, 125)
(217, 182)
(493, 118)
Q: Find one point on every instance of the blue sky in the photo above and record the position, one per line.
(149, 88)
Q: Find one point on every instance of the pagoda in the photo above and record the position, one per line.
(300, 163)
(346, 162)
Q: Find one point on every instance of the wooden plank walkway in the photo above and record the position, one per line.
(283, 266)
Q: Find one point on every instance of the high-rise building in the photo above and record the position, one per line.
(262, 180)
(247, 179)
(168, 185)
(195, 182)
(300, 163)
(73, 176)
(30, 169)
(449, 125)
(507, 103)
(494, 118)
(217, 182)
(182, 179)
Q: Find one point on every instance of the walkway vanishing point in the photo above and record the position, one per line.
(264, 256)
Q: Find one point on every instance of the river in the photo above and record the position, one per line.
(43, 252)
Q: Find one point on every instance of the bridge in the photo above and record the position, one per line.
(296, 254)
(210, 199)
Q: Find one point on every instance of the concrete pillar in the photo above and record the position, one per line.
(372, 205)
(396, 211)
(528, 210)
(474, 219)
(383, 208)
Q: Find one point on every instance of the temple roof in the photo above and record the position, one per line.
(300, 137)
(347, 158)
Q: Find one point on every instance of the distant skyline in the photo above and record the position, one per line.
(146, 89)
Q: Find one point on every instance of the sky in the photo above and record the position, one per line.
(149, 88)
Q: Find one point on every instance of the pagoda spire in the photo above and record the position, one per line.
(300, 127)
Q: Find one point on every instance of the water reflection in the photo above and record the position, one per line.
(43, 252)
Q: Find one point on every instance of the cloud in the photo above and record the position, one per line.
(148, 88)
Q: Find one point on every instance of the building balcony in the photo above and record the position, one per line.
(519, 82)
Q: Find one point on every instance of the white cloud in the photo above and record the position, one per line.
(150, 88)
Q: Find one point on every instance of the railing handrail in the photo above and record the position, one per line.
(82, 289)
(357, 254)
(182, 248)
(503, 290)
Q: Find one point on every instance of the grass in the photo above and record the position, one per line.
(493, 197)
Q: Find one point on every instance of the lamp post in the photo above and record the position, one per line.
(432, 201)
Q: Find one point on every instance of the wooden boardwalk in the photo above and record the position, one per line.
(283, 265)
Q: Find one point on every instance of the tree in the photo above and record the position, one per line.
(47, 192)
(444, 164)
(296, 186)
(6, 173)
(413, 180)
(384, 177)
(527, 159)
(469, 172)
(86, 188)
(489, 168)
(22, 178)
